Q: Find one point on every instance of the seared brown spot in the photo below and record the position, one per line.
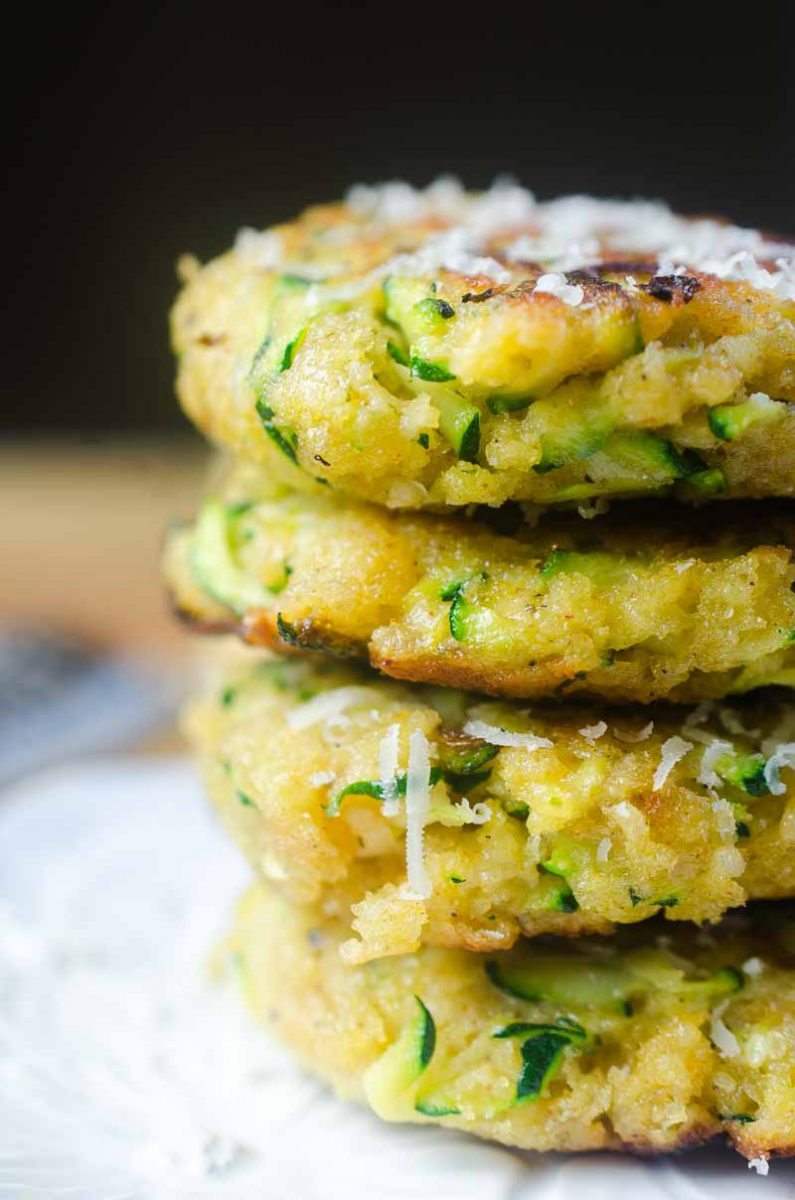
(211, 339)
(478, 297)
(672, 288)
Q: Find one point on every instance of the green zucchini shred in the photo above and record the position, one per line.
(427, 1036)
(287, 631)
(730, 421)
(430, 1109)
(432, 312)
(431, 372)
(375, 789)
(285, 439)
(277, 588)
(396, 353)
(563, 899)
(505, 404)
(454, 592)
(300, 282)
(390, 1080)
(467, 761)
(516, 808)
(542, 1051)
(290, 351)
(744, 771)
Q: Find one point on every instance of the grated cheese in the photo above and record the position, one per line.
(418, 802)
(629, 819)
(556, 285)
(327, 706)
(260, 249)
(498, 736)
(782, 756)
(720, 1034)
(474, 814)
(592, 733)
(699, 714)
(760, 1165)
(710, 755)
(753, 967)
(641, 736)
(603, 850)
(732, 724)
(724, 819)
(578, 231)
(672, 750)
(406, 493)
(594, 508)
(321, 779)
(387, 770)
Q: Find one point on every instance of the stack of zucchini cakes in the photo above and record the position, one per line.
(511, 516)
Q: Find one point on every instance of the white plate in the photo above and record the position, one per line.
(126, 1075)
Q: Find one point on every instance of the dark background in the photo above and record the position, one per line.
(144, 132)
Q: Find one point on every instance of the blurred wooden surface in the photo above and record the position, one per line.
(82, 526)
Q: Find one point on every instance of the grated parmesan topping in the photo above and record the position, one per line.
(498, 736)
(327, 706)
(782, 756)
(642, 735)
(577, 231)
(387, 771)
(456, 249)
(760, 1165)
(418, 802)
(556, 285)
(753, 967)
(592, 733)
(672, 750)
(260, 249)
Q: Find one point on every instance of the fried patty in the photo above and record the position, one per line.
(559, 819)
(480, 351)
(647, 1041)
(633, 606)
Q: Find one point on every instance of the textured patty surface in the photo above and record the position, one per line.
(474, 349)
(632, 606)
(591, 817)
(645, 1042)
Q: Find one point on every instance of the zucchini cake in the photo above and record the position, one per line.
(438, 817)
(648, 1042)
(634, 606)
(434, 348)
